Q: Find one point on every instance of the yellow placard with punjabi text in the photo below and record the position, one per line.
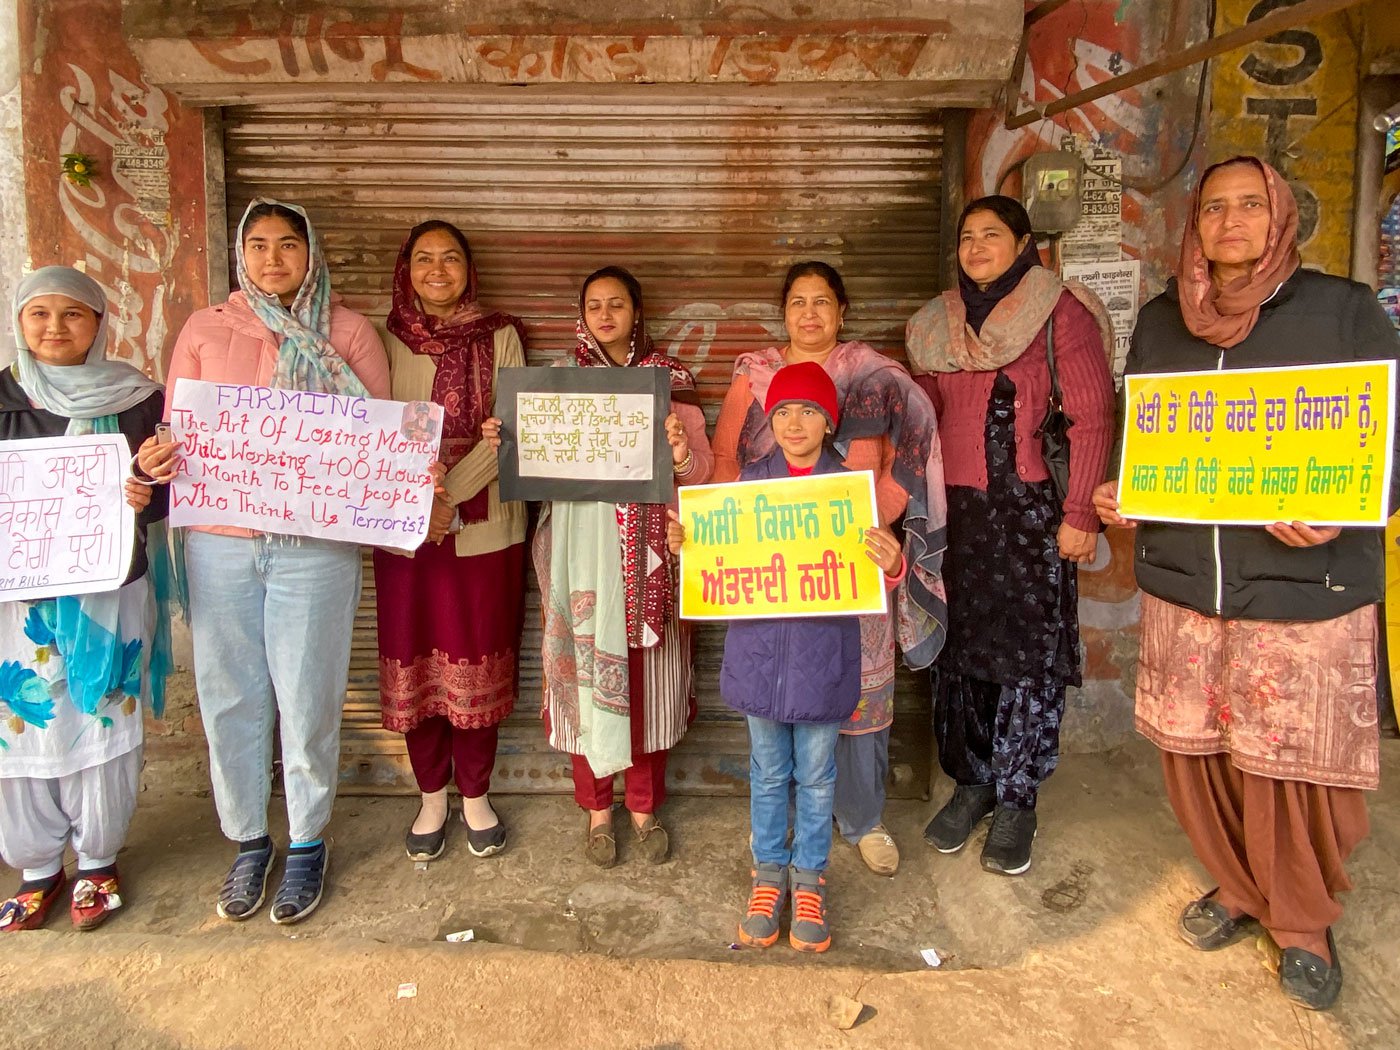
(779, 548)
(1253, 447)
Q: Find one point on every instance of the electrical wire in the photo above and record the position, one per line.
(1138, 186)
(1150, 188)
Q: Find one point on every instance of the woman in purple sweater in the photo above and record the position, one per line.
(1013, 544)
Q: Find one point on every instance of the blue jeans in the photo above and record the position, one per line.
(271, 618)
(781, 754)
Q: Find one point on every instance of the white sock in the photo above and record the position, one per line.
(433, 815)
(42, 873)
(478, 814)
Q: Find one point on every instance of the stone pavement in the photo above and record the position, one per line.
(1080, 952)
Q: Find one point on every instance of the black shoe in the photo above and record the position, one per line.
(303, 880)
(1007, 850)
(245, 885)
(1205, 924)
(428, 846)
(485, 843)
(1309, 981)
(948, 831)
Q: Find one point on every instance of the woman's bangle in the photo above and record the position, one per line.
(683, 467)
(140, 476)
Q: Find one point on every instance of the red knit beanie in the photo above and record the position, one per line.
(805, 383)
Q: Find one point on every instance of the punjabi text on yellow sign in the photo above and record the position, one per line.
(1252, 447)
(778, 548)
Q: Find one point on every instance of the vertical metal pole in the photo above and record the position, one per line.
(954, 194)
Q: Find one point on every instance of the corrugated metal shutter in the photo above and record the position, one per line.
(706, 202)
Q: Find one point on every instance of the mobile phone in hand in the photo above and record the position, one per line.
(164, 435)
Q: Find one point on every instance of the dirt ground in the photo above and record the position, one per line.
(1078, 953)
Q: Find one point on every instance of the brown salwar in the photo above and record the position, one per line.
(1277, 848)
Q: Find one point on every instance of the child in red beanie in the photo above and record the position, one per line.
(796, 681)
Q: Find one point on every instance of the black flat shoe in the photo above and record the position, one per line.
(1307, 980)
(485, 843)
(428, 846)
(1205, 924)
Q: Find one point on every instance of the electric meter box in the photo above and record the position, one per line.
(1051, 183)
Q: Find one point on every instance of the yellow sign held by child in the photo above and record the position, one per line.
(1252, 447)
(780, 547)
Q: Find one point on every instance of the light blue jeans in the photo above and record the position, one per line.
(782, 754)
(272, 618)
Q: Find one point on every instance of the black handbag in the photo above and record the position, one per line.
(1054, 428)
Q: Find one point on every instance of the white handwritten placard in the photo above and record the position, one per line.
(305, 463)
(65, 524)
(585, 434)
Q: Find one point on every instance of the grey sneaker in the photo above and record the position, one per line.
(809, 931)
(759, 928)
(1007, 850)
(950, 829)
(245, 885)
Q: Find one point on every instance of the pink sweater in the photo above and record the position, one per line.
(961, 398)
(228, 344)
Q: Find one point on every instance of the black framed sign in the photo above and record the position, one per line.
(585, 434)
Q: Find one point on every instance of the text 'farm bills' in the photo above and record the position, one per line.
(1252, 447)
(305, 463)
(64, 522)
(781, 547)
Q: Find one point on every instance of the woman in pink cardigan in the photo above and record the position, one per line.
(272, 615)
(982, 352)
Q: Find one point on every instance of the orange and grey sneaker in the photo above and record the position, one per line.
(809, 932)
(95, 896)
(759, 929)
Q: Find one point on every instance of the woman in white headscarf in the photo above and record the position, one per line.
(75, 668)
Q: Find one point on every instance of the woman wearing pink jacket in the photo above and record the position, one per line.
(272, 615)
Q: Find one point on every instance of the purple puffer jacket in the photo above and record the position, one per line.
(805, 669)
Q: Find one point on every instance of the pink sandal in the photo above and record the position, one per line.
(27, 911)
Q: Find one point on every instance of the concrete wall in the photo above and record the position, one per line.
(14, 243)
(139, 227)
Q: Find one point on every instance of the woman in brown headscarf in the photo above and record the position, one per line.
(1257, 670)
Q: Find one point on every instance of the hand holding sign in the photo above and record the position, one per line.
(64, 525)
(303, 463)
(782, 547)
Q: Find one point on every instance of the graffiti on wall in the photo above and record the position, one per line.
(748, 44)
(1291, 98)
(138, 226)
(124, 222)
(1100, 48)
(306, 45)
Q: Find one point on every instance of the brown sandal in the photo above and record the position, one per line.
(653, 844)
(601, 847)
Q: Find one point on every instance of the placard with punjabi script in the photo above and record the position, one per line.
(781, 547)
(64, 520)
(303, 463)
(1257, 446)
(585, 434)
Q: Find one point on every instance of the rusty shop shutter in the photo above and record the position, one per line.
(707, 202)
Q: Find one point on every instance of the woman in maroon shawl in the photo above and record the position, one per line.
(450, 613)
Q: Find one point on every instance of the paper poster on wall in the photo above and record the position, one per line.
(585, 434)
(64, 522)
(775, 548)
(1116, 284)
(305, 463)
(1098, 235)
(1252, 447)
